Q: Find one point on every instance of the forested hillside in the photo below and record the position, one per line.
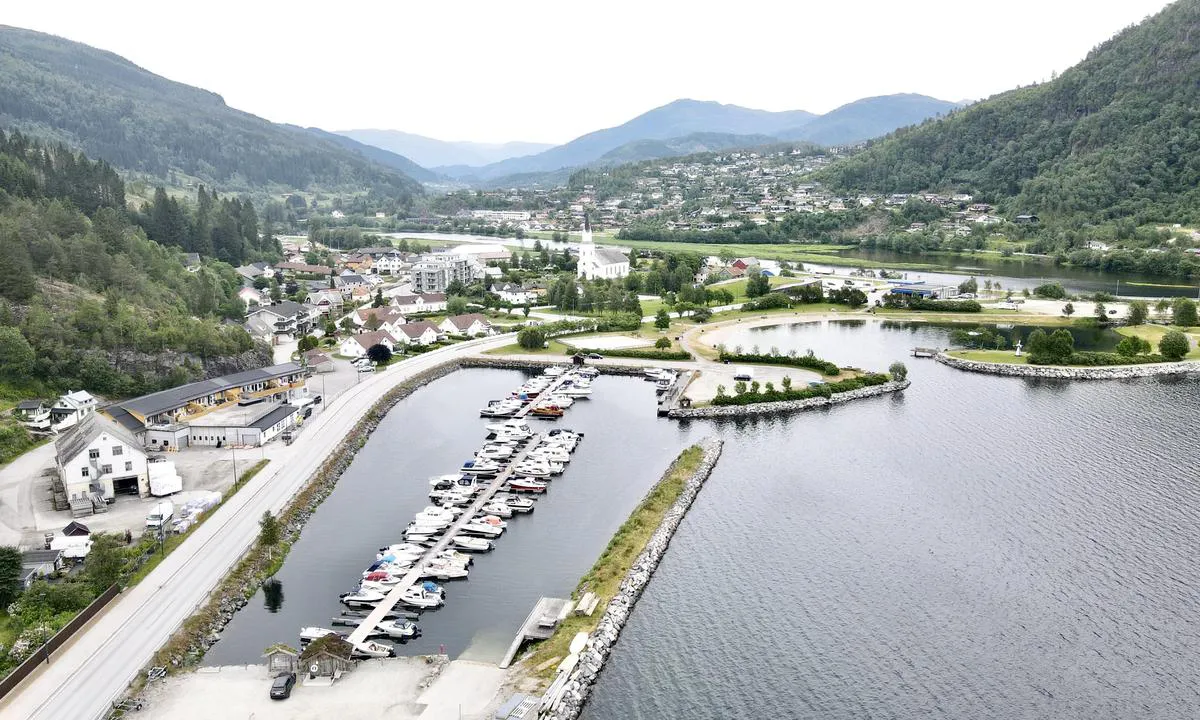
(135, 120)
(87, 300)
(1115, 137)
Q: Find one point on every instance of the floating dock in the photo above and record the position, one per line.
(670, 400)
(540, 625)
(922, 352)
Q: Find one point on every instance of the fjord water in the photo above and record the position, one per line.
(977, 547)
(543, 553)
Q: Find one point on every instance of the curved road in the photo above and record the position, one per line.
(87, 674)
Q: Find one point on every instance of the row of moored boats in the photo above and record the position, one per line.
(531, 460)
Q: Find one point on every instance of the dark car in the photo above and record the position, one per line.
(595, 356)
(281, 686)
(316, 399)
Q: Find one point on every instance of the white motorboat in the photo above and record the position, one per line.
(375, 585)
(498, 509)
(385, 577)
(399, 629)
(363, 597)
(478, 527)
(415, 534)
(512, 427)
(652, 373)
(494, 452)
(554, 371)
(421, 596)
(372, 649)
(519, 504)
(455, 497)
(480, 467)
(450, 479)
(443, 571)
(433, 515)
(562, 401)
(531, 471)
(472, 544)
(550, 453)
(537, 463)
(493, 520)
(587, 372)
(308, 634)
(431, 524)
(575, 391)
(401, 549)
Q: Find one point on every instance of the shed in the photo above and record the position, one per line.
(282, 658)
(76, 529)
(326, 657)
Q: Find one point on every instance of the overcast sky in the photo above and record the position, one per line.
(550, 71)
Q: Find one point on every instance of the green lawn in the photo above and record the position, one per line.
(1153, 333)
(992, 356)
(556, 348)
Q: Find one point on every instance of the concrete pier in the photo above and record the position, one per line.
(539, 625)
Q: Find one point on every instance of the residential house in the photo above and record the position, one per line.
(99, 458)
(360, 264)
(191, 261)
(327, 302)
(377, 318)
(515, 294)
(290, 319)
(255, 270)
(471, 325)
(390, 264)
(420, 303)
(261, 328)
(348, 282)
(33, 414)
(317, 361)
(418, 333)
(298, 268)
(40, 564)
(70, 409)
(356, 346)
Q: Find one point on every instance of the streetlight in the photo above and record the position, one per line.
(233, 451)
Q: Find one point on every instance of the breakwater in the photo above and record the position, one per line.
(784, 406)
(579, 683)
(503, 363)
(1061, 372)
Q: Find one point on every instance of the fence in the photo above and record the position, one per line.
(41, 654)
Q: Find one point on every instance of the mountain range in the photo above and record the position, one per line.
(431, 153)
(687, 126)
(1116, 136)
(111, 109)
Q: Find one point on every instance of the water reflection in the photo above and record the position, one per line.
(272, 595)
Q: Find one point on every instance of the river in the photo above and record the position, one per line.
(977, 547)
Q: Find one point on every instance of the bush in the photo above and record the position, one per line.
(641, 354)
(532, 338)
(898, 370)
(1133, 346)
(848, 296)
(804, 361)
(662, 343)
(825, 390)
(917, 303)
(1053, 291)
(1174, 345)
(770, 301)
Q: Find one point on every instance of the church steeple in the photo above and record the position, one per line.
(587, 252)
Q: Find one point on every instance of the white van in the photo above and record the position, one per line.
(160, 516)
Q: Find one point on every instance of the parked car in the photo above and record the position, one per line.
(316, 399)
(595, 356)
(281, 686)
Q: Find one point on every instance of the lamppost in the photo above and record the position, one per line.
(42, 625)
(162, 540)
(233, 451)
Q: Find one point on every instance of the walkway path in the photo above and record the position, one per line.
(16, 493)
(87, 674)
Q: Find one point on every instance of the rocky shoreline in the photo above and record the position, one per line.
(1107, 372)
(503, 363)
(591, 660)
(727, 411)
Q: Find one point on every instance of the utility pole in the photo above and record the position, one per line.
(233, 451)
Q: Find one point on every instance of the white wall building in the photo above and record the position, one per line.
(99, 457)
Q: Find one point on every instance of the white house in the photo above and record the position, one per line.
(325, 301)
(471, 325)
(595, 263)
(418, 333)
(514, 294)
(98, 457)
(70, 409)
(388, 318)
(356, 346)
(390, 264)
(420, 303)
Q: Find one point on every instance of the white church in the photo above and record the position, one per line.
(599, 263)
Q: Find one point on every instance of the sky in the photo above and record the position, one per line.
(551, 71)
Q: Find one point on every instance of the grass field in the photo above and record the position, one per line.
(1153, 333)
(992, 356)
(605, 577)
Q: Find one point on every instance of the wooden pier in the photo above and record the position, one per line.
(672, 398)
(921, 352)
(541, 623)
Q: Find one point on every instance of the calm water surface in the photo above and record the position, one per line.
(978, 547)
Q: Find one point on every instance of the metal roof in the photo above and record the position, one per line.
(165, 400)
(279, 413)
(76, 440)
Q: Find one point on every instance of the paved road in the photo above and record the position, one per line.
(85, 676)
(16, 493)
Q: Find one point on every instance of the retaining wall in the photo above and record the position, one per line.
(726, 411)
(1107, 372)
(591, 660)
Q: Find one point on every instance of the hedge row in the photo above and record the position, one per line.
(635, 353)
(1094, 359)
(824, 390)
(803, 361)
(945, 305)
